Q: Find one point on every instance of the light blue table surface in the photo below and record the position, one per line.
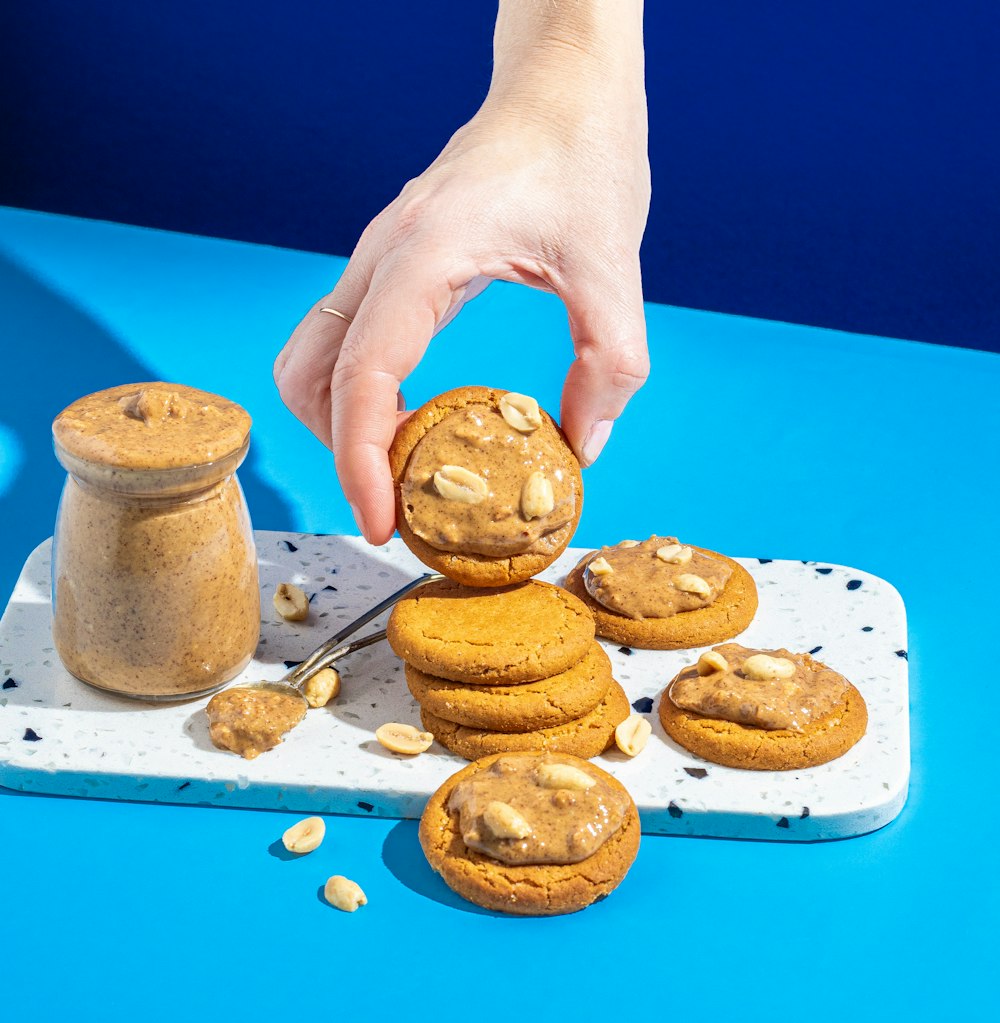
(752, 437)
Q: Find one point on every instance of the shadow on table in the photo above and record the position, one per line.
(53, 353)
(402, 855)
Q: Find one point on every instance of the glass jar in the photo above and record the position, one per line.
(154, 569)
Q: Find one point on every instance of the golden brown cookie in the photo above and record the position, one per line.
(527, 890)
(585, 737)
(726, 617)
(470, 568)
(520, 708)
(757, 749)
(491, 635)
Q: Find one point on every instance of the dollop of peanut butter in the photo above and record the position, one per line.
(812, 693)
(251, 721)
(491, 504)
(639, 580)
(565, 825)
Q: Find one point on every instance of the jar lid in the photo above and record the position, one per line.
(151, 426)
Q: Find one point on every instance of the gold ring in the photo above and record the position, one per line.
(337, 312)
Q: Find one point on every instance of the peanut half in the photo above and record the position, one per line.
(599, 566)
(537, 497)
(305, 836)
(632, 734)
(521, 412)
(564, 776)
(712, 661)
(401, 738)
(504, 821)
(693, 584)
(322, 687)
(764, 668)
(454, 483)
(291, 602)
(343, 893)
(674, 554)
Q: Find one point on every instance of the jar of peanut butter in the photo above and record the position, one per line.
(154, 570)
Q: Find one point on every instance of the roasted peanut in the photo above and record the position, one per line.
(764, 668)
(692, 584)
(454, 483)
(291, 603)
(322, 687)
(599, 566)
(521, 412)
(674, 554)
(624, 544)
(712, 661)
(537, 497)
(342, 893)
(403, 738)
(305, 836)
(631, 735)
(564, 776)
(504, 821)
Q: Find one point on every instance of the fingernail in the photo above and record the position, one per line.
(359, 520)
(596, 439)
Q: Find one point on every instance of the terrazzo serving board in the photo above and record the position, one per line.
(60, 736)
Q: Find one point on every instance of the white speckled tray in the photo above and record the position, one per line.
(60, 736)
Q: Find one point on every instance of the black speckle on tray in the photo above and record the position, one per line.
(319, 536)
(367, 807)
(765, 561)
(696, 772)
(626, 650)
(292, 664)
(312, 597)
(824, 571)
(643, 705)
(867, 628)
(30, 735)
(9, 683)
(804, 814)
(287, 545)
(181, 788)
(903, 654)
(815, 650)
(330, 589)
(674, 810)
(783, 822)
(854, 584)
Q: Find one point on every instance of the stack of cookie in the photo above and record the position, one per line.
(506, 669)
(488, 494)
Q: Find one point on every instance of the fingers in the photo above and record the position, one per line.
(390, 333)
(609, 337)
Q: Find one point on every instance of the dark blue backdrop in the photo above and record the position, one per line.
(824, 163)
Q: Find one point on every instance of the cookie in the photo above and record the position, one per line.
(726, 617)
(529, 889)
(585, 737)
(491, 635)
(464, 502)
(733, 744)
(519, 708)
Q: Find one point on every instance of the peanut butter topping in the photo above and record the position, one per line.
(477, 484)
(769, 689)
(657, 578)
(151, 426)
(251, 721)
(537, 808)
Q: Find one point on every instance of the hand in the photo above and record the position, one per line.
(545, 186)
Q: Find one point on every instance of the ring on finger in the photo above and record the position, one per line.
(337, 312)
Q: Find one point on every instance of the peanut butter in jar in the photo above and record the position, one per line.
(154, 572)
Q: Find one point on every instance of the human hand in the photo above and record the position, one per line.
(548, 185)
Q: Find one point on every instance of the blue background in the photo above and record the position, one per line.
(830, 164)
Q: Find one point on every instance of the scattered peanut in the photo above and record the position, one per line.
(504, 821)
(692, 584)
(674, 554)
(712, 661)
(342, 893)
(537, 497)
(322, 687)
(764, 668)
(627, 543)
(631, 735)
(403, 738)
(291, 603)
(599, 566)
(454, 483)
(564, 776)
(305, 836)
(521, 412)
